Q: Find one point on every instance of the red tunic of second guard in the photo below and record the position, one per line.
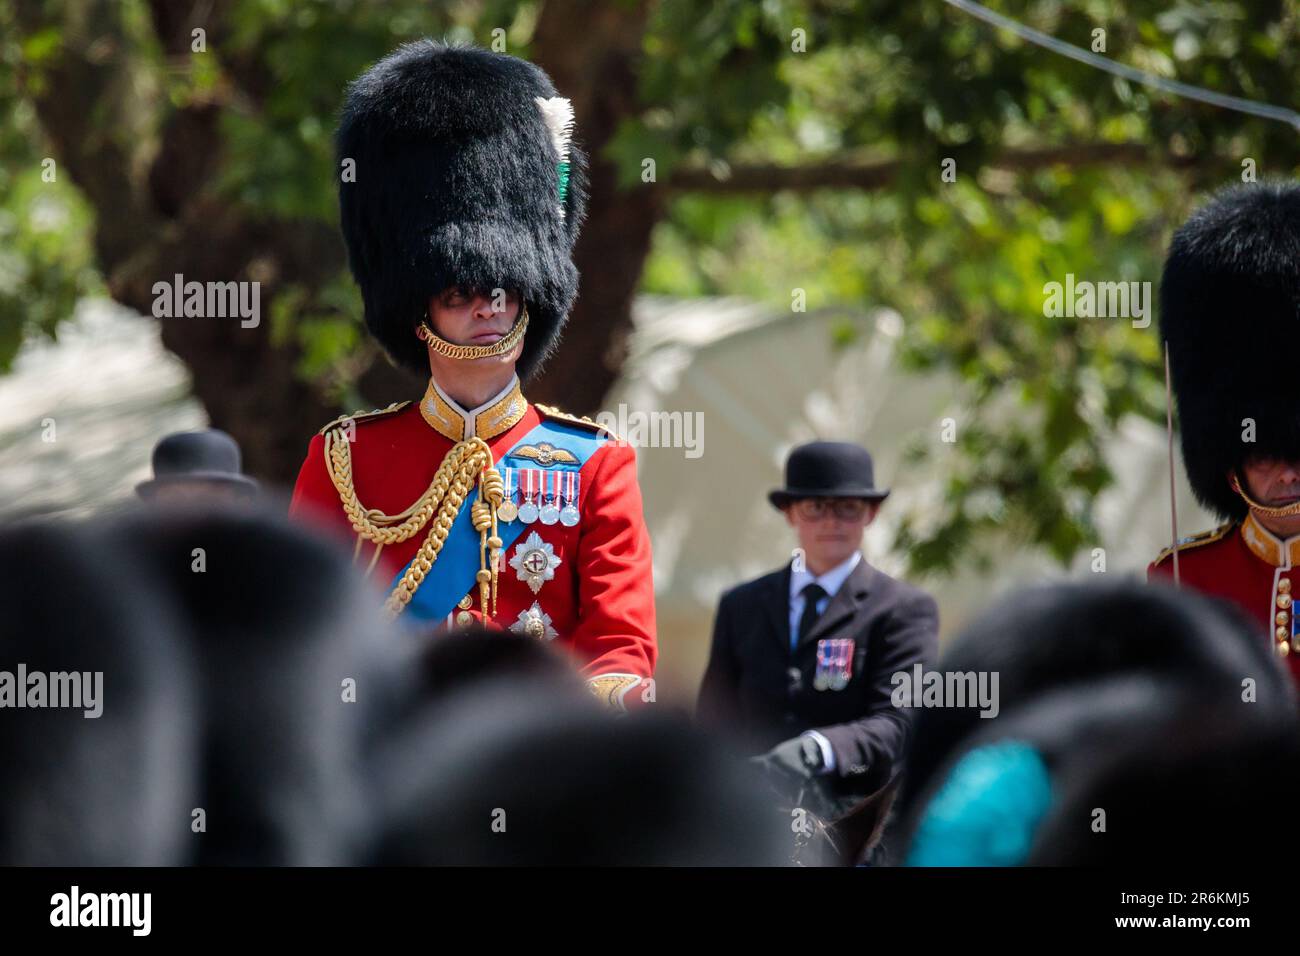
(1251, 567)
(1228, 317)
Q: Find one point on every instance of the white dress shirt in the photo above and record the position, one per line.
(830, 582)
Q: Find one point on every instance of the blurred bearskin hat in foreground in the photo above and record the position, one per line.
(521, 770)
(1117, 772)
(100, 757)
(294, 664)
(1163, 707)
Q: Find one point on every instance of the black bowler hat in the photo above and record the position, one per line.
(209, 455)
(827, 469)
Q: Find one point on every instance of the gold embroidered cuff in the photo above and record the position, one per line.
(611, 689)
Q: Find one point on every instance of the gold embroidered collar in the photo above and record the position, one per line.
(1269, 547)
(490, 419)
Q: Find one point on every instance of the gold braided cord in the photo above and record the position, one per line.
(1285, 511)
(469, 352)
(374, 558)
(374, 525)
(484, 516)
(469, 461)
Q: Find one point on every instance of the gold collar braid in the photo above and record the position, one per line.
(486, 421)
(468, 461)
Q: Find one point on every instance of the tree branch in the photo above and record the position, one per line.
(750, 178)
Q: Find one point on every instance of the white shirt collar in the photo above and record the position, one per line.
(831, 581)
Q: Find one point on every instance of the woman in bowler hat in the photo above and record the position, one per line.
(802, 658)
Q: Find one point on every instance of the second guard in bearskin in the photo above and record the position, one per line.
(1230, 309)
(473, 504)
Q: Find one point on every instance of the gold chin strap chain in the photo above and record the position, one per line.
(468, 461)
(470, 352)
(1285, 511)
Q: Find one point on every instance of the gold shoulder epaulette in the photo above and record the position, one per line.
(550, 411)
(1197, 540)
(363, 416)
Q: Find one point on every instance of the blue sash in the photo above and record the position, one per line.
(453, 574)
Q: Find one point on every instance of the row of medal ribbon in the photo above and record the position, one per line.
(545, 496)
(834, 663)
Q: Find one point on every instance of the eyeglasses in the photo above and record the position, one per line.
(846, 509)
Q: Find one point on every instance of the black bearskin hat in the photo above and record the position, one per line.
(459, 180)
(1229, 311)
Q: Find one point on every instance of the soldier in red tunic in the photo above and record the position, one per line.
(1230, 307)
(472, 504)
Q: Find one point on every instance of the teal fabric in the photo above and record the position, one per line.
(987, 811)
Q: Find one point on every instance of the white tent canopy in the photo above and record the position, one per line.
(764, 381)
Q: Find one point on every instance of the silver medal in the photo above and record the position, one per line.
(569, 515)
(549, 513)
(528, 510)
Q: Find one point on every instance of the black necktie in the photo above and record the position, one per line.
(812, 593)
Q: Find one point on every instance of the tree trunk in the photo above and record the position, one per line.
(591, 53)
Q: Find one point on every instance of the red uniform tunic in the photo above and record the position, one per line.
(1250, 566)
(599, 603)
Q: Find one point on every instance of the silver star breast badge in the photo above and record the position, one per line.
(535, 561)
(534, 622)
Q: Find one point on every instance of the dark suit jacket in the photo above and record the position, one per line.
(757, 689)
